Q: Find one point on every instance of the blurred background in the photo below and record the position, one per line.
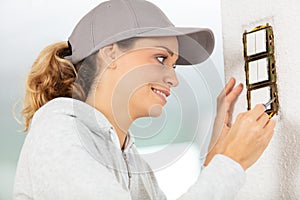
(179, 137)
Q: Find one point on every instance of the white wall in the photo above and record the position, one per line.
(277, 174)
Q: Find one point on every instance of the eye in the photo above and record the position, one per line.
(161, 59)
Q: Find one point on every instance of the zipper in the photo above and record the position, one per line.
(128, 168)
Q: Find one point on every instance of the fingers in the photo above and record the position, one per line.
(263, 120)
(270, 124)
(235, 93)
(229, 86)
(257, 116)
(230, 92)
(257, 111)
(269, 131)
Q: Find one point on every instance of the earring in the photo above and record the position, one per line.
(113, 65)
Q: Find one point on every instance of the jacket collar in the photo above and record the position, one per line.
(86, 114)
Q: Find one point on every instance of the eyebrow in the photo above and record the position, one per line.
(168, 50)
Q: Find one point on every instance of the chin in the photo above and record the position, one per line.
(155, 110)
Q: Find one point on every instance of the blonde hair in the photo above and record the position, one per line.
(52, 76)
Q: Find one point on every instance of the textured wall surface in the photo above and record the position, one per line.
(276, 175)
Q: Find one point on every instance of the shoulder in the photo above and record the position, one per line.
(57, 118)
(54, 131)
(59, 164)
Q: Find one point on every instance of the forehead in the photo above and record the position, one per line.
(169, 42)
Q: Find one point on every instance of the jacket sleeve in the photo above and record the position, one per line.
(56, 166)
(220, 180)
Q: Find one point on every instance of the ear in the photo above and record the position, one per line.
(109, 54)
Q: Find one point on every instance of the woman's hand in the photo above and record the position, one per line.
(225, 107)
(226, 101)
(248, 137)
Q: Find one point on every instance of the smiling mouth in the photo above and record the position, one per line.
(163, 94)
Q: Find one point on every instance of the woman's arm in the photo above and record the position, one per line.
(220, 180)
(232, 149)
(248, 136)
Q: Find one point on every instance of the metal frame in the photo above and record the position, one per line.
(272, 77)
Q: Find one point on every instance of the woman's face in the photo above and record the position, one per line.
(143, 76)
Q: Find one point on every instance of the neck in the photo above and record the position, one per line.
(121, 124)
(120, 121)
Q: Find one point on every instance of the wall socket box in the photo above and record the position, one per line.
(260, 68)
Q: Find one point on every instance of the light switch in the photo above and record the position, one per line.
(256, 42)
(258, 70)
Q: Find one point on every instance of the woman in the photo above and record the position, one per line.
(82, 96)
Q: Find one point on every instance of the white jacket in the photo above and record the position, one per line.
(70, 152)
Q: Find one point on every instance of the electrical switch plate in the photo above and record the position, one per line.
(258, 71)
(260, 68)
(256, 42)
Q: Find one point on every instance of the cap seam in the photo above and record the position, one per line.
(135, 17)
(92, 28)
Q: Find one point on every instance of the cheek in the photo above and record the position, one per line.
(142, 95)
(137, 81)
(144, 103)
(143, 99)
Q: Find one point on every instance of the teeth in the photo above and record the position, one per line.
(159, 92)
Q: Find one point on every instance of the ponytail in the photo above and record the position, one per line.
(51, 76)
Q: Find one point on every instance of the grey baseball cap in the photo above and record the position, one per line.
(116, 20)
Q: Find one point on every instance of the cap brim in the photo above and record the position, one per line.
(195, 44)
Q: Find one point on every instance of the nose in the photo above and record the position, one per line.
(170, 78)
